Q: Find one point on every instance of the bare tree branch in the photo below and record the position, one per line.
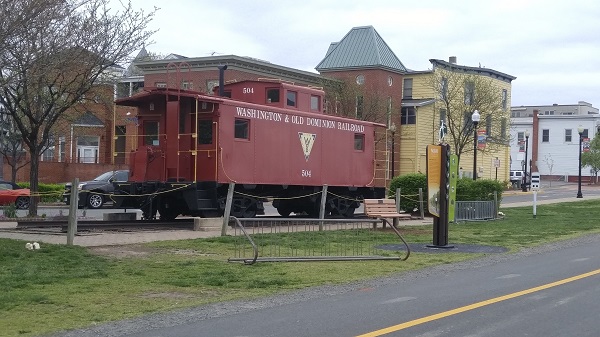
(53, 52)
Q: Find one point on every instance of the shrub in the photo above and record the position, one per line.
(466, 190)
(47, 192)
(478, 190)
(409, 185)
(9, 211)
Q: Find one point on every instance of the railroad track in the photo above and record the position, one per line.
(99, 225)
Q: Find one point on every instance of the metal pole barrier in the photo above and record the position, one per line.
(421, 205)
(534, 203)
(396, 221)
(74, 199)
(496, 206)
(228, 203)
(322, 210)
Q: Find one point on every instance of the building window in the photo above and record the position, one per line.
(408, 116)
(443, 115)
(87, 149)
(291, 98)
(568, 135)
(444, 88)
(488, 125)
(315, 103)
(48, 154)
(360, 79)
(545, 135)
(242, 129)
(504, 99)
(549, 112)
(521, 136)
(467, 122)
(62, 149)
(359, 142)
(407, 88)
(390, 81)
(151, 133)
(585, 133)
(273, 95)
(359, 107)
(469, 93)
(205, 131)
(186, 85)
(503, 129)
(210, 86)
(160, 84)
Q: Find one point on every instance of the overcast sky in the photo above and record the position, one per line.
(552, 46)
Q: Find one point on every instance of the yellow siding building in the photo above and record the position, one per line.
(451, 92)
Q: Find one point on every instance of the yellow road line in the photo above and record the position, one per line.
(475, 305)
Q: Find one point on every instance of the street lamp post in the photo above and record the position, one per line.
(580, 131)
(393, 131)
(475, 118)
(524, 185)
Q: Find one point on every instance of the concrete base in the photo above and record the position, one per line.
(208, 224)
(119, 216)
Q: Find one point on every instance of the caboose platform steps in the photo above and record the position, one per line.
(208, 224)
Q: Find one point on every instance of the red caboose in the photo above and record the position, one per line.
(269, 138)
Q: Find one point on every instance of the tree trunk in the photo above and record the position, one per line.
(33, 182)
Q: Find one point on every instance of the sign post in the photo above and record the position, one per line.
(535, 187)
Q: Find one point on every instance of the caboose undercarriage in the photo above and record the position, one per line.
(167, 200)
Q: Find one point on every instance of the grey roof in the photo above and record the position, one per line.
(233, 62)
(361, 48)
(88, 119)
(475, 70)
(132, 70)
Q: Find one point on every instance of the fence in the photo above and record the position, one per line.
(296, 239)
(475, 210)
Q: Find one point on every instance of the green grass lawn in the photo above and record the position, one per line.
(63, 287)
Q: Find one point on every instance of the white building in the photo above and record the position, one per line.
(553, 142)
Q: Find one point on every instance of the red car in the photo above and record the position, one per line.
(14, 194)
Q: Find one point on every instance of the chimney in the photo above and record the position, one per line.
(222, 69)
(452, 59)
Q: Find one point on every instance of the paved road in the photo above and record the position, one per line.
(548, 291)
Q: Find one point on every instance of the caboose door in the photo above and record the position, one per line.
(206, 154)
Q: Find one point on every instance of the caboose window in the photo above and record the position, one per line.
(242, 128)
(151, 133)
(273, 95)
(205, 131)
(359, 142)
(314, 103)
(291, 98)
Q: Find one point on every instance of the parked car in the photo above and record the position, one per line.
(516, 176)
(95, 193)
(11, 193)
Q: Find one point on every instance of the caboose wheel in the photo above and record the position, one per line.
(344, 207)
(243, 207)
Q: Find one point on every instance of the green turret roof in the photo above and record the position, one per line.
(361, 48)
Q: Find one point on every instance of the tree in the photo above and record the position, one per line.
(550, 163)
(53, 52)
(591, 158)
(460, 93)
(11, 146)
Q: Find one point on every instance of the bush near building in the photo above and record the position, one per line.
(466, 190)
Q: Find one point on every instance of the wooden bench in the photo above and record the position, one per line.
(383, 209)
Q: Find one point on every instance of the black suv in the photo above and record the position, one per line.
(94, 193)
